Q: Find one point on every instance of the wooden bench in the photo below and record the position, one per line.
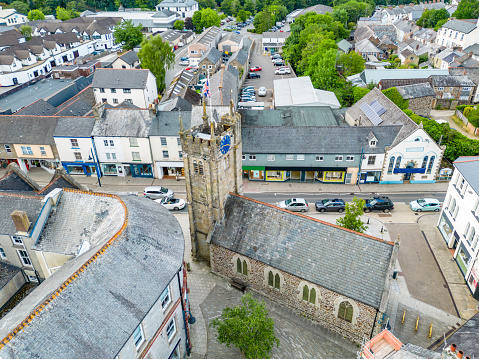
(238, 285)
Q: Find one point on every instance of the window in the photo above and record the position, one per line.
(165, 298)
(113, 90)
(289, 157)
(270, 157)
(112, 143)
(108, 156)
(398, 162)
(133, 141)
(476, 207)
(178, 140)
(241, 266)
(171, 329)
(346, 311)
(452, 208)
(24, 257)
(77, 156)
(135, 156)
(338, 158)
(102, 90)
(105, 143)
(126, 90)
(391, 165)
(243, 157)
(430, 164)
(17, 240)
(274, 280)
(471, 235)
(349, 158)
(300, 157)
(7, 148)
(74, 142)
(252, 157)
(195, 166)
(27, 150)
(115, 100)
(128, 100)
(309, 295)
(372, 143)
(42, 151)
(163, 141)
(424, 161)
(138, 337)
(440, 88)
(165, 154)
(319, 158)
(2, 254)
(371, 160)
(200, 168)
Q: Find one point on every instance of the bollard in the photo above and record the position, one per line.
(417, 324)
(403, 317)
(430, 331)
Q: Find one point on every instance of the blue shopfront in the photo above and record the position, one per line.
(81, 168)
(141, 170)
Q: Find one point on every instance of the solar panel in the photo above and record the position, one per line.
(377, 107)
(370, 114)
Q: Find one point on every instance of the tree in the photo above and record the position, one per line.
(248, 328)
(26, 31)
(128, 34)
(35, 15)
(242, 15)
(204, 4)
(439, 24)
(179, 25)
(65, 14)
(352, 63)
(352, 216)
(393, 94)
(189, 24)
(430, 18)
(467, 9)
(20, 6)
(205, 18)
(156, 56)
(78, 5)
(359, 93)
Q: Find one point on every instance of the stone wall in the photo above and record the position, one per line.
(324, 310)
(421, 106)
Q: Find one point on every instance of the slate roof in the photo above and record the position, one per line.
(168, 123)
(129, 57)
(74, 127)
(241, 56)
(416, 91)
(366, 46)
(176, 104)
(451, 81)
(7, 272)
(465, 26)
(224, 87)
(469, 168)
(392, 116)
(232, 36)
(344, 45)
(411, 351)
(17, 180)
(346, 262)
(120, 78)
(33, 130)
(193, 97)
(466, 337)
(119, 286)
(315, 139)
(168, 3)
(123, 123)
(213, 55)
(30, 204)
(38, 108)
(6, 59)
(472, 48)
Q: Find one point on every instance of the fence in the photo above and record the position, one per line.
(461, 116)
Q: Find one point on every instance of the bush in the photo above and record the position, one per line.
(394, 95)
(461, 107)
(359, 93)
(472, 116)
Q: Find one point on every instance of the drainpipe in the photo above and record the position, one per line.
(184, 313)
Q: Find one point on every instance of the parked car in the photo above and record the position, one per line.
(278, 63)
(248, 88)
(377, 203)
(248, 91)
(425, 204)
(156, 192)
(275, 56)
(253, 75)
(276, 59)
(282, 71)
(262, 91)
(184, 58)
(330, 205)
(295, 205)
(172, 204)
(191, 68)
(184, 63)
(255, 68)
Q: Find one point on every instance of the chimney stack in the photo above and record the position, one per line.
(453, 347)
(98, 111)
(21, 221)
(460, 354)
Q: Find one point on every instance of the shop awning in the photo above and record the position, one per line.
(253, 168)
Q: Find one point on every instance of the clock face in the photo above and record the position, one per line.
(225, 144)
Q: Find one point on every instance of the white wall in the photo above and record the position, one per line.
(137, 96)
(171, 146)
(101, 149)
(66, 151)
(151, 91)
(143, 148)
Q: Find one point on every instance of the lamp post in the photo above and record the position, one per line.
(97, 165)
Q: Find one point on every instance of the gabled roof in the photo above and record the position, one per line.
(416, 91)
(61, 179)
(469, 168)
(74, 127)
(167, 123)
(6, 59)
(120, 78)
(213, 55)
(224, 87)
(451, 81)
(123, 123)
(232, 36)
(7, 273)
(39, 108)
(465, 26)
(344, 45)
(31, 204)
(472, 48)
(343, 261)
(32, 130)
(130, 57)
(241, 56)
(17, 180)
(366, 46)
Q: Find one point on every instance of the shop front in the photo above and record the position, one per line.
(473, 282)
(254, 173)
(463, 258)
(115, 169)
(445, 227)
(76, 168)
(141, 170)
(370, 177)
(336, 175)
(49, 165)
(170, 169)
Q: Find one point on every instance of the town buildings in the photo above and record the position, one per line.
(273, 42)
(458, 34)
(9, 17)
(183, 8)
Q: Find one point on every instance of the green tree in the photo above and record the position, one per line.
(352, 63)
(78, 5)
(204, 4)
(430, 18)
(189, 24)
(248, 328)
(393, 94)
(26, 31)
(205, 18)
(65, 14)
(156, 56)
(467, 9)
(128, 34)
(35, 15)
(250, 6)
(262, 22)
(359, 93)
(439, 24)
(20, 6)
(242, 15)
(352, 216)
(356, 9)
(179, 25)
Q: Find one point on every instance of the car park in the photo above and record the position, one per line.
(253, 75)
(282, 71)
(255, 68)
(377, 203)
(330, 205)
(184, 63)
(156, 192)
(172, 204)
(262, 92)
(295, 205)
(425, 204)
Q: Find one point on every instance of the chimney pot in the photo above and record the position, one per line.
(460, 354)
(21, 221)
(468, 357)
(453, 347)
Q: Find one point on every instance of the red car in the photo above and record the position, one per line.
(256, 68)
(191, 68)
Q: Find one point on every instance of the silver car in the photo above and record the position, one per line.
(295, 205)
(156, 192)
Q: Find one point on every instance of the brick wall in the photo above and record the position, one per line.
(324, 311)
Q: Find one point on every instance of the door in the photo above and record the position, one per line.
(407, 176)
(87, 170)
(349, 176)
(303, 176)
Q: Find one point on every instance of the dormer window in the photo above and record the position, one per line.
(372, 143)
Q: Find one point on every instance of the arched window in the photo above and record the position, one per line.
(245, 268)
(391, 165)
(201, 168)
(398, 162)
(309, 295)
(277, 281)
(306, 293)
(475, 242)
(431, 163)
(238, 266)
(453, 206)
(424, 161)
(271, 279)
(195, 166)
(346, 311)
(241, 266)
(471, 235)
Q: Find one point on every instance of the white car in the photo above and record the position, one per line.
(282, 71)
(184, 63)
(295, 205)
(262, 91)
(172, 204)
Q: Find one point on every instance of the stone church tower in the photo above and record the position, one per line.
(213, 168)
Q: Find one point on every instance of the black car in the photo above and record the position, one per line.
(253, 75)
(330, 205)
(377, 203)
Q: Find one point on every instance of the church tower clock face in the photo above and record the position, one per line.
(225, 144)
